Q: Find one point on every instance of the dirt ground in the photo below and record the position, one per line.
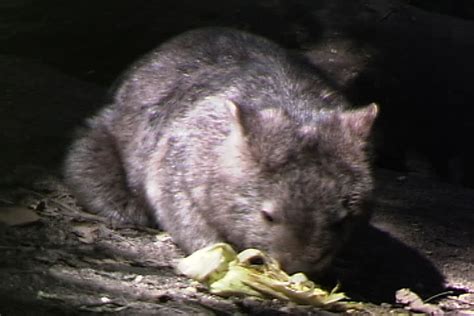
(56, 61)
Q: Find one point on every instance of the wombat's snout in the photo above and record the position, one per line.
(292, 263)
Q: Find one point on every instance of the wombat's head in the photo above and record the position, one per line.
(293, 187)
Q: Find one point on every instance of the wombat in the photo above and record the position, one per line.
(223, 136)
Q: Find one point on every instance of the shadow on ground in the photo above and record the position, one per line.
(375, 265)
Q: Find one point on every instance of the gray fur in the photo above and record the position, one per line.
(219, 135)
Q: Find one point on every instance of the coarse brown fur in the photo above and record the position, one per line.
(219, 135)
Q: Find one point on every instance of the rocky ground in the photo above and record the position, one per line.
(56, 61)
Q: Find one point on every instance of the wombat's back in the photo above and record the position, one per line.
(212, 60)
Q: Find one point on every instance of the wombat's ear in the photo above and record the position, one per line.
(235, 154)
(265, 136)
(233, 109)
(238, 118)
(265, 122)
(360, 121)
(241, 122)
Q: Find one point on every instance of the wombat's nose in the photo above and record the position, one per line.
(294, 264)
(291, 264)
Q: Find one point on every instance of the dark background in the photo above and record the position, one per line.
(417, 64)
(415, 58)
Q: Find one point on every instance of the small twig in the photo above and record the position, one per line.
(149, 230)
(66, 207)
(90, 216)
(438, 295)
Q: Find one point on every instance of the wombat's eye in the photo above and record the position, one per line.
(341, 215)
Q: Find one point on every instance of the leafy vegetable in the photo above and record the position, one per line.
(253, 273)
